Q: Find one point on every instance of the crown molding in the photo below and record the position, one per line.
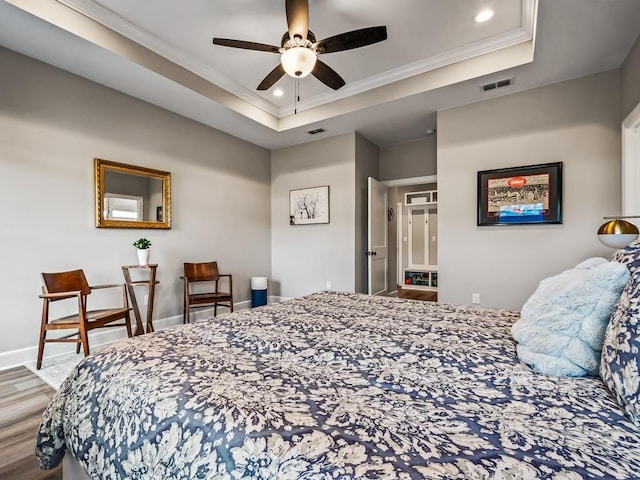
(109, 19)
(522, 34)
(477, 49)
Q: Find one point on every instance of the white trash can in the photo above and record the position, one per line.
(258, 291)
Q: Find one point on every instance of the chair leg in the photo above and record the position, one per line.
(215, 309)
(231, 304)
(185, 300)
(78, 344)
(84, 338)
(127, 321)
(43, 334)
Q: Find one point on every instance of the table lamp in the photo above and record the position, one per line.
(618, 233)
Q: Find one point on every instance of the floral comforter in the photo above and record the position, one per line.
(334, 386)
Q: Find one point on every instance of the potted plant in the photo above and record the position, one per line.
(142, 244)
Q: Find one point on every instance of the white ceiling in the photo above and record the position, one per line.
(435, 56)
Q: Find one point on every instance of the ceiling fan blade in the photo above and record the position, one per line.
(353, 39)
(297, 18)
(327, 75)
(227, 42)
(274, 75)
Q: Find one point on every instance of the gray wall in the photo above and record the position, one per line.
(53, 124)
(630, 74)
(575, 122)
(305, 257)
(408, 160)
(367, 165)
(126, 184)
(137, 186)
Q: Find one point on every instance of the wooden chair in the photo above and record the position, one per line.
(205, 272)
(73, 284)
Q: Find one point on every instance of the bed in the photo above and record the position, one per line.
(335, 386)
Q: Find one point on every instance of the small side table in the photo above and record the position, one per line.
(151, 284)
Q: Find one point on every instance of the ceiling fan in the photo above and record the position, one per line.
(299, 49)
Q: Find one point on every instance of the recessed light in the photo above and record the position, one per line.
(484, 15)
(278, 92)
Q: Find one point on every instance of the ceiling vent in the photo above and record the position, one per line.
(316, 131)
(494, 85)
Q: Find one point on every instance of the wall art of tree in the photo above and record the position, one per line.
(308, 206)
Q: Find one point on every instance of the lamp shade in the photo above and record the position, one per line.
(298, 62)
(617, 233)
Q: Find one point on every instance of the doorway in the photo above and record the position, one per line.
(377, 238)
(413, 256)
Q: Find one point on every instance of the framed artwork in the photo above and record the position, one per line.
(520, 195)
(309, 206)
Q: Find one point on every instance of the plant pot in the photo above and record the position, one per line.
(143, 256)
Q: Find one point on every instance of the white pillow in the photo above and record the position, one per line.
(562, 325)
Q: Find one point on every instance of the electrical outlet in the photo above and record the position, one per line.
(328, 285)
(475, 298)
(146, 299)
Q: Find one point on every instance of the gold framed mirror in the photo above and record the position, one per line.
(128, 196)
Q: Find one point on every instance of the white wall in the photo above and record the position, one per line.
(575, 122)
(305, 257)
(52, 125)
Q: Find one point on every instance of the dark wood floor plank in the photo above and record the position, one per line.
(414, 294)
(23, 397)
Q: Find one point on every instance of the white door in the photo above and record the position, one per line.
(377, 238)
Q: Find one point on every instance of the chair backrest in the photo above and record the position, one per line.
(201, 272)
(73, 280)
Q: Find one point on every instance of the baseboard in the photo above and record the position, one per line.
(97, 338)
(278, 299)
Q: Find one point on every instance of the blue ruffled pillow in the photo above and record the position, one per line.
(621, 353)
(562, 325)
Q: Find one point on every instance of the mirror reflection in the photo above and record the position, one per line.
(129, 196)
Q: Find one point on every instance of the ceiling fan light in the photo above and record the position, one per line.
(298, 62)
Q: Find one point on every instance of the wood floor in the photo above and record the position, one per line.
(417, 294)
(23, 398)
